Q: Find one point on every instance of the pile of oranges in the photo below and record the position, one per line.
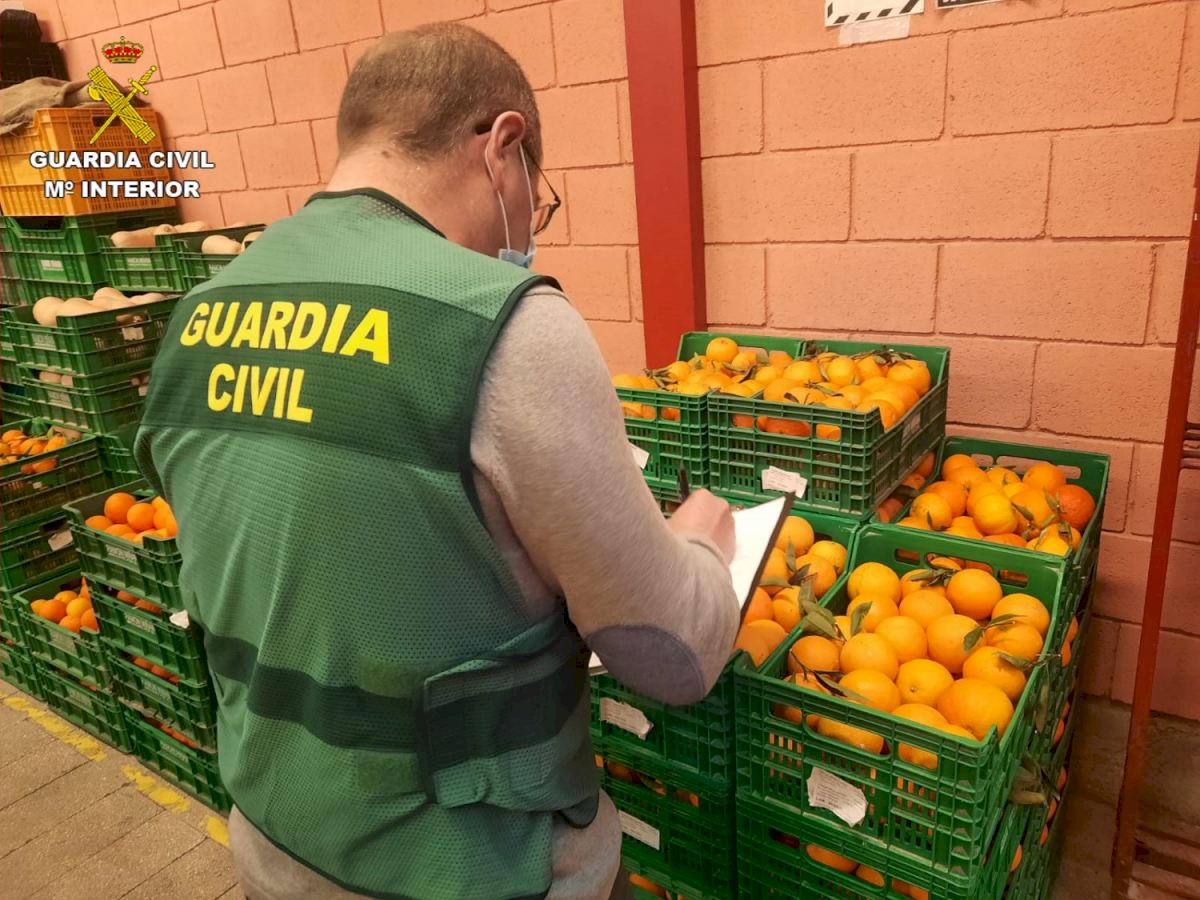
(1038, 510)
(850, 867)
(127, 517)
(942, 646)
(17, 445)
(70, 609)
(167, 729)
(799, 570)
(153, 669)
(882, 379)
(139, 603)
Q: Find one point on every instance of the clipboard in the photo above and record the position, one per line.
(756, 529)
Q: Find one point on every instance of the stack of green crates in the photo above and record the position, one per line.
(951, 830)
(36, 543)
(73, 671)
(155, 657)
(175, 264)
(670, 771)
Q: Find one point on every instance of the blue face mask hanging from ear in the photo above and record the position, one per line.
(516, 257)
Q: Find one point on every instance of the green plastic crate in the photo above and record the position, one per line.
(673, 429)
(1034, 878)
(20, 669)
(189, 707)
(149, 570)
(39, 548)
(682, 844)
(79, 471)
(78, 653)
(194, 770)
(851, 474)
(698, 739)
(1088, 470)
(95, 711)
(93, 344)
(196, 267)
(116, 449)
(137, 632)
(67, 248)
(945, 817)
(10, 618)
(97, 403)
(773, 861)
(15, 404)
(30, 290)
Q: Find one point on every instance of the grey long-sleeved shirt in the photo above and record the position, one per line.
(567, 505)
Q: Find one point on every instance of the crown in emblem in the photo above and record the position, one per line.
(123, 51)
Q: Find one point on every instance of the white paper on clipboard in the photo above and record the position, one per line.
(755, 530)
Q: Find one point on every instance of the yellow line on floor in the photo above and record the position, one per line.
(58, 728)
(217, 830)
(156, 790)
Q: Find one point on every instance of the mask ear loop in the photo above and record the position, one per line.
(500, 200)
(529, 188)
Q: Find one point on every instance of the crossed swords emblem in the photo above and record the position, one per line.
(104, 88)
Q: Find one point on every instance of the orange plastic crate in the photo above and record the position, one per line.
(22, 187)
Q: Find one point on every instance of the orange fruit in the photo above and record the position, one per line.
(88, 620)
(797, 531)
(832, 552)
(1072, 630)
(926, 715)
(822, 573)
(925, 466)
(100, 523)
(777, 390)
(722, 349)
(1010, 540)
(78, 606)
(814, 652)
(1016, 859)
(1050, 542)
(140, 516)
(912, 372)
(922, 681)
(986, 664)
(1075, 505)
(759, 606)
(841, 370)
(147, 606)
(906, 393)
(831, 859)
(1016, 640)
(925, 605)
(1030, 609)
(919, 580)
(957, 461)
(1000, 476)
(116, 507)
(647, 885)
(1059, 730)
(974, 593)
(873, 578)
(964, 526)
(776, 569)
(65, 596)
(848, 734)
(880, 608)
(914, 522)
(869, 875)
(953, 493)
(785, 610)
(968, 477)
(879, 691)
(54, 610)
(906, 636)
(779, 359)
(1034, 504)
(934, 509)
(995, 514)
(843, 626)
(959, 731)
(1046, 476)
(869, 651)
(759, 639)
(978, 492)
(121, 530)
(977, 706)
(71, 623)
(792, 713)
(888, 414)
(909, 890)
(945, 636)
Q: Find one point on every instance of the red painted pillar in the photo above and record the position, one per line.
(660, 43)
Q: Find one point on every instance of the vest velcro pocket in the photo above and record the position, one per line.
(511, 729)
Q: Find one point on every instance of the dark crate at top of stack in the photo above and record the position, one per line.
(23, 53)
(850, 473)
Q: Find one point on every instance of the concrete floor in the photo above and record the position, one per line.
(81, 820)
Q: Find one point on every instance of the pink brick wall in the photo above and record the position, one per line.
(1013, 181)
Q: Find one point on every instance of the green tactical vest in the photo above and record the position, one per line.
(389, 713)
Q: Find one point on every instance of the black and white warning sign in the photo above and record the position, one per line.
(951, 4)
(847, 12)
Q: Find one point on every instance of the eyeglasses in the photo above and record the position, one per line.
(544, 213)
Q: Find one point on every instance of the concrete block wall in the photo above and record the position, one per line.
(1012, 180)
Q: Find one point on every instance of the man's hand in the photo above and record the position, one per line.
(708, 515)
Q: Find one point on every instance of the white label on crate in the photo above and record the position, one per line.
(51, 265)
(844, 800)
(63, 640)
(639, 830)
(133, 334)
(57, 398)
(139, 262)
(624, 716)
(774, 479)
(80, 698)
(180, 618)
(120, 553)
(61, 539)
(911, 427)
(45, 341)
(139, 623)
(640, 456)
(38, 485)
(143, 390)
(170, 748)
(215, 267)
